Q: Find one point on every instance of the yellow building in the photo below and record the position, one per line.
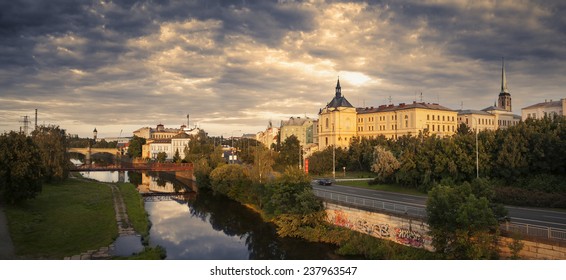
(406, 119)
(337, 122)
(477, 119)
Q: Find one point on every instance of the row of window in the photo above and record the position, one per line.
(444, 118)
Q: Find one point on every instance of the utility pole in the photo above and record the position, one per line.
(35, 119)
(26, 124)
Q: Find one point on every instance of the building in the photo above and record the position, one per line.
(406, 119)
(268, 137)
(157, 146)
(477, 119)
(337, 122)
(305, 129)
(179, 142)
(547, 108)
(498, 116)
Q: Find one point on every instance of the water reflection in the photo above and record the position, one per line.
(107, 176)
(206, 226)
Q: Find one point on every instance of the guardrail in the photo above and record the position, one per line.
(372, 204)
(534, 231)
(416, 212)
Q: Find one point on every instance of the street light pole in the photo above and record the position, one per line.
(477, 152)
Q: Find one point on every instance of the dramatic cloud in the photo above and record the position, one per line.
(235, 65)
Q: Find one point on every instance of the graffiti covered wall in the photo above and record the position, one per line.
(397, 229)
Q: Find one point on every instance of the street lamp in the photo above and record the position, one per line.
(477, 151)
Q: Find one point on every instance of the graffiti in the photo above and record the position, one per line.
(341, 219)
(409, 237)
(382, 230)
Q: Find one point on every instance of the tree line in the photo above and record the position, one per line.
(529, 157)
(26, 162)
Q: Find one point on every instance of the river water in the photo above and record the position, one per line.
(204, 226)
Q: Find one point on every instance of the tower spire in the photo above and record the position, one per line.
(503, 77)
(338, 89)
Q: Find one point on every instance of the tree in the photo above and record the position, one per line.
(262, 164)
(135, 147)
(233, 181)
(462, 222)
(52, 144)
(177, 157)
(161, 157)
(384, 164)
(289, 152)
(20, 168)
(292, 194)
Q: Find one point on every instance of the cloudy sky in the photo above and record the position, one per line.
(235, 65)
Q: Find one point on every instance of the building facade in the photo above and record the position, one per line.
(268, 137)
(336, 122)
(546, 109)
(498, 116)
(339, 121)
(305, 129)
(394, 121)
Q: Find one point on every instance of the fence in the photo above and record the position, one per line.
(534, 231)
(373, 204)
(416, 212)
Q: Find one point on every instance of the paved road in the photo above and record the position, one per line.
(534, 216)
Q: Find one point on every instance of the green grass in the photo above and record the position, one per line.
(135, 209)
(64, 220)
(149, 253)
(382, 187)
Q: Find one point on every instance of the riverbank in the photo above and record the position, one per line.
(70, 218)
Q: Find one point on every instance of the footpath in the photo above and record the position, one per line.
(6, 245)
(124, 229)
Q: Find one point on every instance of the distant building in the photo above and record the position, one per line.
(546, 109)
(305, 129)
(406, 119)
(339, 121)
(498, 116)
(269, 136)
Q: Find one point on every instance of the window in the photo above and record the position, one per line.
(427, 117)
(433, 117)
(442, 118)
(326, 141)
(433, 126)
(326, 122)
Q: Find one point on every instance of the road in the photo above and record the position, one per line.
(533, 216)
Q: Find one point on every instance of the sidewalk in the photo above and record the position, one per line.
(6, 246)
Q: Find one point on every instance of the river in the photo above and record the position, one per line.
(204, 226)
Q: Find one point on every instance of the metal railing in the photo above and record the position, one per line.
(534, 231)
(370, 203)
(416, 212)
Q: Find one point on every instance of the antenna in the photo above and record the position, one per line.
(26, 124)
(35, 119)
(421, 97)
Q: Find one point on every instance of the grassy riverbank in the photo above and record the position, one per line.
(64, 220)
(135, 209)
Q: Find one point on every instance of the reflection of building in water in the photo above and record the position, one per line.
(154, 184)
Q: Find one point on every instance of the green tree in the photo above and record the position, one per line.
(135, 147)
(161, 157)
(262, 164)
(462, 222)
(292, 194)
(177, 157)
(233, 181)
(289, 152)
(52, 144)
(385, 163)
(20, 168)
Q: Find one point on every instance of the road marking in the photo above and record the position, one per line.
(373, 198)
(555, 217)
(539, 221)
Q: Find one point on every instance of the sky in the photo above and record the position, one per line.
(233, 66)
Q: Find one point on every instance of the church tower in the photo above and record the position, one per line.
(504, 101)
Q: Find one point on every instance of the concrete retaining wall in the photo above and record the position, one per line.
(414, 233)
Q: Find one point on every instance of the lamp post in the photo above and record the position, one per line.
(477, 151)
